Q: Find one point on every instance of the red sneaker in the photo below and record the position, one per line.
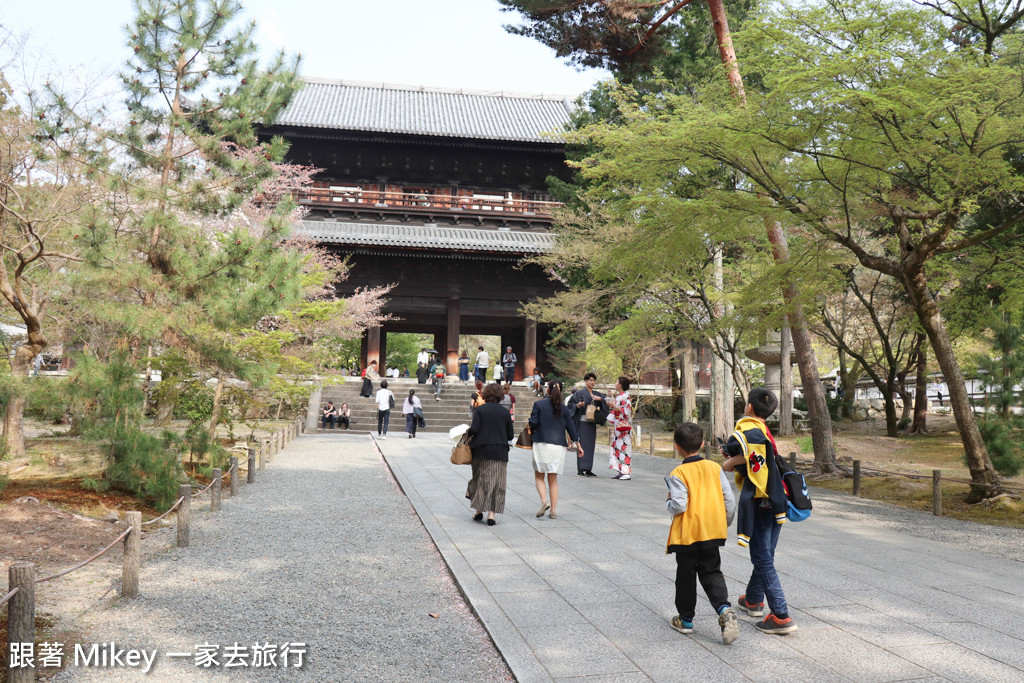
(754, 610)
(772, 624)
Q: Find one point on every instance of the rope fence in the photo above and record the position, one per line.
(85, 562)
(20, 600)
(935, 476)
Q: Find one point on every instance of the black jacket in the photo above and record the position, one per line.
(550, 429)
(583, 395)
(492, 424)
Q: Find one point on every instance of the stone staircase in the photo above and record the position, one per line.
(451, 410)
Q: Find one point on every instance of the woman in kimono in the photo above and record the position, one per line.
(621, 420)
(587, 429)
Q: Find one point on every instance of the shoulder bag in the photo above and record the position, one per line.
(525, 440)
(461, 454)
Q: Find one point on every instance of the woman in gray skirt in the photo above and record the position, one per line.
(549, 422)
(490, 434)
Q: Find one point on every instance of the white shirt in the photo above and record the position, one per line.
(482, 359)
(383, 399)
(422, 357)
(497, 372)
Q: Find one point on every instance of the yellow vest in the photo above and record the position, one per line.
(704, 518)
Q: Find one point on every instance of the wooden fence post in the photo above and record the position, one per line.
(250, 473)
(215, 490)
(263, 456)
(184, 515)
(856, 478)
(937, 493)
(792, 460)
(21, 616)
(132, 556)
(652, 444)
(233, 488)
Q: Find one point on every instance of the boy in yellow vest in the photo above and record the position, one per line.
(701, 501)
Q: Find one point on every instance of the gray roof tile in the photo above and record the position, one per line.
(426, 237)
(348, 105)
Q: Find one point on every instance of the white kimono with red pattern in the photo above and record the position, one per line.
(621, 421)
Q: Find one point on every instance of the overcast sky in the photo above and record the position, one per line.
(442, 43)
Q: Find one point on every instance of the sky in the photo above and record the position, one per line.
(437, 43)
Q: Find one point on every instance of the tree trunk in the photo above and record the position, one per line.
(810, 381)
(786, 388)
(675, 380)
(14, 418)
(986, 481)
(689, 383)
(215, 417)
(849, 392)
(891, 421)
(920, 424)
(905, 396)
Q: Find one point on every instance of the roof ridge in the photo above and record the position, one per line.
(378, 85)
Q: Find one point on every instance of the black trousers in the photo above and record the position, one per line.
(328, 419)
(699, 562)
(342, 420)
(382, 421)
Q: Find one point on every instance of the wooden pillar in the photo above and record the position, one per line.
(21, 617)
(454, 327)
(529, 358)
(184, 515)
(373, 348)
(132, 557)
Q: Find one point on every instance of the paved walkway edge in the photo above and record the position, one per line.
(514, 650)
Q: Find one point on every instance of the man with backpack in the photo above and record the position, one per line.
(437, 375)
(761, 509)
(508, 364)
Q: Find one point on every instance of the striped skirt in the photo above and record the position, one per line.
(486, 489)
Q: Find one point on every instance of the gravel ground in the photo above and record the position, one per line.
(1004, 542)
(324, 550)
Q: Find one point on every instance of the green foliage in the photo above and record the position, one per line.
(1004, 439)
(107, 399)
(805, 444)
(195, 402)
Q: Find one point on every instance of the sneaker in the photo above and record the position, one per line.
(772, 624)
(682, 625)
(581, 474)
(624, 477)
(753, 610)
(589, 473)
(616, 476)
(384, 438)
(730, 628)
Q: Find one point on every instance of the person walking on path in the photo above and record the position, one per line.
(702, 506)
(329, 415)
(549, 421)
(483, 361)
(508, 364)
(437, 374)
(385, 402)
(464, 366)
(422, 372)
(761, 510)
(621, 420)
(496, 377)
(490, 432)
(591, 411)
(509, 402)
(345, 416)
(409, 408)
(369, 374)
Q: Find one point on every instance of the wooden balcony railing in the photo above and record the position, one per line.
(424, 201)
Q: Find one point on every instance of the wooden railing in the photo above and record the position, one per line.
(422, 201)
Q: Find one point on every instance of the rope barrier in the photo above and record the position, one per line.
(82, 564)
(204, 490)
(173, 507)
(966, 482)
(10, 595)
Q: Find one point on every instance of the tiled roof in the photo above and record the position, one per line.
(376, 107)
(426, 237)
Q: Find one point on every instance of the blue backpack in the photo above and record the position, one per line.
(798, 500)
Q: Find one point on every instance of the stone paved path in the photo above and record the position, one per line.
(588, 596)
